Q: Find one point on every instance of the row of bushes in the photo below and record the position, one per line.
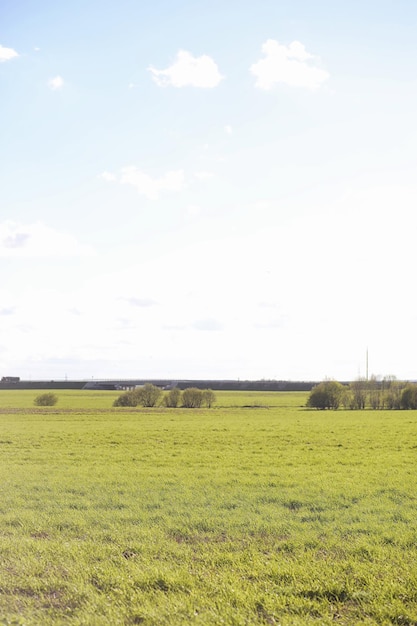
(149, 396)
(361, 394)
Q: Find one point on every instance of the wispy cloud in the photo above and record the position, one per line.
(56, 83)
(270, 324)
(207, 325)
(189, 71)
(290, 65)
(37, 240)
(6, 54)
(111, 178)
(203, 175)
(141, 302)
(172, 181)
(16, 240)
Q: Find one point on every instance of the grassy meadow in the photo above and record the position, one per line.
(256, 511)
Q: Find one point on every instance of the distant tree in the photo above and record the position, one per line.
(46, 399)
(392, 393)
(192, 398)
(409, 397)
(148, 395)
(173, 398)
(375, 393)
(346, 399)
(359, 389)
(388, 393)
(209, 398)
(326, 395)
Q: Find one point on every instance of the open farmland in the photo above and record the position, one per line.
(257, 511)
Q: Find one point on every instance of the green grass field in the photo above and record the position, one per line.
(257, 511)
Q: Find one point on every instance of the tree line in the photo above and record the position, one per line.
(388, 393)
(150, 395)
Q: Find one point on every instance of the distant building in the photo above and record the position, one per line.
(10, 379)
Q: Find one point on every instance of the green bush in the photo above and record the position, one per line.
(128, 398)
(209, 398)
(172, 398)
(409, 397)
(46, 399)
(327, 395)
(192, 398)
(146, 396)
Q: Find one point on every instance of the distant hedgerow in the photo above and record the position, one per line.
(387, 393)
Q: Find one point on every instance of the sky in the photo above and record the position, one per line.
(205, 189)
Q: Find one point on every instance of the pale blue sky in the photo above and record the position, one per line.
(208, 189)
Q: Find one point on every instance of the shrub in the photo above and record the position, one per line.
(148, 395)
(209, 398)
(46, 399)
(409, 397)
(128, 398)
(172, 398)
(192, 398)
(326, 395)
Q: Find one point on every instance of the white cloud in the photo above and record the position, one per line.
(172, 181)
(189, 71)
(56, 83)
(37, 241)
(290, 65)
(108, 176)
(7, 53)
(203, 175)
(146, 185)
(228, 129)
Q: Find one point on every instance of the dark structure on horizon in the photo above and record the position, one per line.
(14, 382)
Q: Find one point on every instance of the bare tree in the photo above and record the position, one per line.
(375, 393)
(209, 398)
(359, 390)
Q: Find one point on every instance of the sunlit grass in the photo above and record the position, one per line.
(256, 511)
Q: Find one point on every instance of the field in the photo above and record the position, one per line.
(257, 511)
